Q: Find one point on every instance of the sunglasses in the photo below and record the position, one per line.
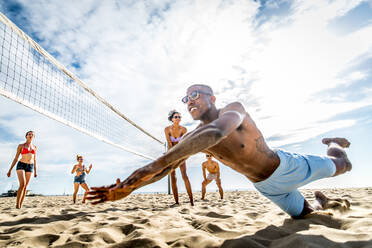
(194, 96)
(177, 117)
(208, 156)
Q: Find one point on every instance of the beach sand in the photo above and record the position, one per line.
(242, 219)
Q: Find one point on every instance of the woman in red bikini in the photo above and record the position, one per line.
(25, 166)
(174, 134)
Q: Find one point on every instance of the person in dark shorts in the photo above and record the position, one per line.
(25, 166)
(79, 179)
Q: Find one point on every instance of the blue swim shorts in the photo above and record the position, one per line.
(80, 179)
(294, 171)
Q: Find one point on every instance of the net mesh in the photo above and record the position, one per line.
(32, 77)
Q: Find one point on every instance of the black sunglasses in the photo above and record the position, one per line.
(208, 156)
(194, 96)
(177, 117)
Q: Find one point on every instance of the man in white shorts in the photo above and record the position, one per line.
(213, 174)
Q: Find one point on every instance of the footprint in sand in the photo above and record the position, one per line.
(86, 237)
(45, 240)
(126, 228)
(215, 215)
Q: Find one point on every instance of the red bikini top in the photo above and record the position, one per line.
(25, 151)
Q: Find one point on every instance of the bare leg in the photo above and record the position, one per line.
(218, 182)
(307, 210)
(336, 152)
(174, 186)
(76, 189)
(22, 180)
(85, 186)
(187, 182)
(204, 186)
(27, 177)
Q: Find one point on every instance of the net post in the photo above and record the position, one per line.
(169, 188)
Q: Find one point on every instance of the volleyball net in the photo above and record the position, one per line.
(32, 77)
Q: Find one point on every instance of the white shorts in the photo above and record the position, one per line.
(294, 171)
(212, 176)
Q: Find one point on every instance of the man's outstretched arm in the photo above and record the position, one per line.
(200, 139)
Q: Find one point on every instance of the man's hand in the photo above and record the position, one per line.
(8, 174)
(35, 174)
(90, 166)
(113, 192)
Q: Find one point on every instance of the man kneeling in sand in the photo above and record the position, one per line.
(230, 135)
(213, 174)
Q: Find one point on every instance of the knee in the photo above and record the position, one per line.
(204, 184)
(173, 175)
(22, 186)
(185, 177)
(174, 178)
(347, 163)
(342, 165)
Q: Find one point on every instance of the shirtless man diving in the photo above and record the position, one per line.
(213, 174)
(230, 135)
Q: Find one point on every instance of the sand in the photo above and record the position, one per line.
(242, 219)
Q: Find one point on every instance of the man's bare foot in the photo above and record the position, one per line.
(328, 203)
(321, 199)
(338, 155)
(344, 143)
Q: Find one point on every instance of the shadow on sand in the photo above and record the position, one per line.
(287, 235)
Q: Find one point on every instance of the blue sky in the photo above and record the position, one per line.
(302, 69)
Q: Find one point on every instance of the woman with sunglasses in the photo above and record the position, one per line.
(79, 179)
(25, 166)
(174, 134)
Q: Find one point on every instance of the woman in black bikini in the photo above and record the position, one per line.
(173, 134)
(25, 166)
(79, 179)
